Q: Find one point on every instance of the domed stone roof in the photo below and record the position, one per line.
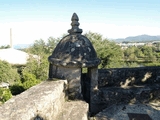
(74, 50)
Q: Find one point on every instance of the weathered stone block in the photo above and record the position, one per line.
(74, 110)
(44, 100)
(123, 77)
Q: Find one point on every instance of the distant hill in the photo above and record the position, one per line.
(139, 38)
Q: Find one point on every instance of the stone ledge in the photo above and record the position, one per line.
(136, 94)
(117, 77)
(74, 110)
(106, 97)
(119, 112)
(44, 100)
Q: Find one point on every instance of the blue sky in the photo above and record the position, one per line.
(35, 19)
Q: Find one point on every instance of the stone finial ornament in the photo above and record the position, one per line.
(74, 50)
(75, 25)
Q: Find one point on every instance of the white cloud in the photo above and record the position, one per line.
(114, 31)
(28, 31)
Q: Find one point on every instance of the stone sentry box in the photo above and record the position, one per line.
(71, 54)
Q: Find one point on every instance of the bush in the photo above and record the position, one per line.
(16, 89)
(5, 94)
(29, 80)
(30, 83)
(7, 73)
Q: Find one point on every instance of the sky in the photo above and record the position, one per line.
(40, 19)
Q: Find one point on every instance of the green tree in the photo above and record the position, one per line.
(39, 67)
(5, 94)
(110, 54)
(138, 52)
(51, 44)
(29, 80)
(130, 54)
(7, 73)
(17, 88)
(149, 53)
(5, 47)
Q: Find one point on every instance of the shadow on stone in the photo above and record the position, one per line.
(136, 116)
(38, 118)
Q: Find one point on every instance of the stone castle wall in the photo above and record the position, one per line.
(116, 86)
(121, 77)
(127, 85)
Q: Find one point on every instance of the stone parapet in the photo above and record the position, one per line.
(43, 101)
(74, 110)
(130, 95)
(123, 77)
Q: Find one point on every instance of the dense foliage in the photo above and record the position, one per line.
(39, 66)
(17, 88)
(109, 53)
(142, 55)
(36, 69)
(7, 73)
(28, 80)
(113, 56)
(5, 94)
(4, 46)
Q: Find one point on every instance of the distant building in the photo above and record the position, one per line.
(154, 42)
(14, 56)
(149, 43)
(4, 85)
(128, 44)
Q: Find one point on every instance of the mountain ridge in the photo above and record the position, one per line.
(139, 38)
